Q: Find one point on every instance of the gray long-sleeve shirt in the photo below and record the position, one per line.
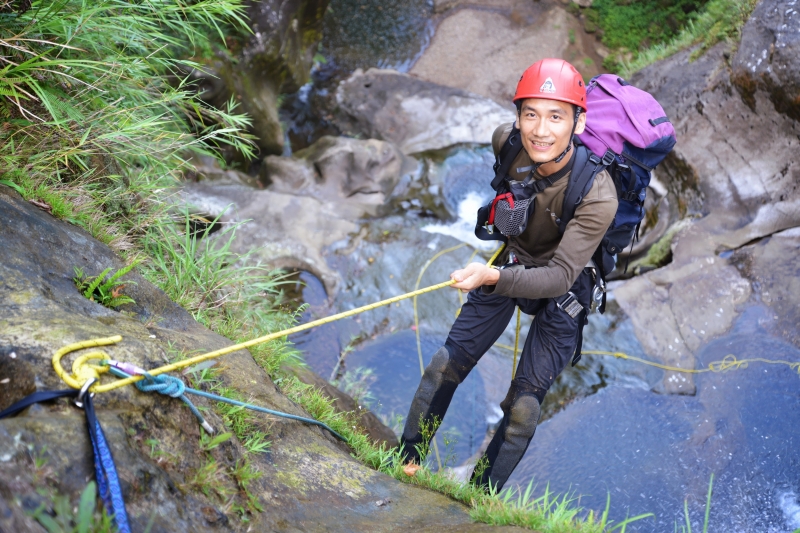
(559, 259)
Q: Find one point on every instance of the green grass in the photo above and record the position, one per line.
(61, 517)
(547, 513)
(642, 32)
(95, 113)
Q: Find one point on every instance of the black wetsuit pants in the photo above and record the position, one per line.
(550, 345)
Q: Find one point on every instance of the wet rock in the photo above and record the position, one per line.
(739, 159)
(484, 46)
(307, 478)
(280, 230)
(413, 114)
(768, 57)
(353, 167)
(679, 308)
(276, 58)
(772, 268)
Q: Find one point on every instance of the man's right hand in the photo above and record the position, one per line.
(475, 275)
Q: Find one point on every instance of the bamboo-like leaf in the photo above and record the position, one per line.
(86, 507)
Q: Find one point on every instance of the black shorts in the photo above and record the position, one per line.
(552, 338)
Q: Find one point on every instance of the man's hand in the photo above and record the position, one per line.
(474, 276)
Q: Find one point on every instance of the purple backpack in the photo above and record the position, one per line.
(631, 134)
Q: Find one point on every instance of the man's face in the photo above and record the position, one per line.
(545, 127)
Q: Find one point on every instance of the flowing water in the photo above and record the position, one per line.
(604, 433)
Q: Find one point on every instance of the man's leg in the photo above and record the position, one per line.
(482, 320)
(548, 348)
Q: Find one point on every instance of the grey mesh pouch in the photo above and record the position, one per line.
(511, 221)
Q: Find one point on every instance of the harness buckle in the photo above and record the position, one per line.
(570, 305)
(608, 157)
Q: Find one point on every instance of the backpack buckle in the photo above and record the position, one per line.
(608, 157)
(631, 196)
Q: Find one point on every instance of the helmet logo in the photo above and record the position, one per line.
(547, 86)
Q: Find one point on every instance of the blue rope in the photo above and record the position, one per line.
(172, 386)
(105, 470)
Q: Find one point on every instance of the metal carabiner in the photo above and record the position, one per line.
(79, 400)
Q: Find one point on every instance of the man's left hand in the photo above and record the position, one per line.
(473, 276)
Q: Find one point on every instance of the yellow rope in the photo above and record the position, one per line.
(516, 345)
(81, 373)
(729, 362)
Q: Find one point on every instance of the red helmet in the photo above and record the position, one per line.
(552, 79)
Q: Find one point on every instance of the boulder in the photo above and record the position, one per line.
(768, 57)
(279, 230)
(738, 167)
(413, 114)
(484, 46)
(311, 201)
(357, 171)
(308, 480)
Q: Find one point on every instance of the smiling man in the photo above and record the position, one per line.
(546, 273)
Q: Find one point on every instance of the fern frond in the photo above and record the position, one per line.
(96, 283)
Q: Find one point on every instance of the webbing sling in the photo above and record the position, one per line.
(104, 469)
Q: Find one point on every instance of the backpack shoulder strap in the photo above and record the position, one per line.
(587, 165)
(505, 158)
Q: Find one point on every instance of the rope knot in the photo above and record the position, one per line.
(163, 384)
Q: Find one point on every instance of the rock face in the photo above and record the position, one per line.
(275, 59)
(308, 480)
(743, 162)
(415, 115)
(768, 58)
(365, 172)
(484, 46)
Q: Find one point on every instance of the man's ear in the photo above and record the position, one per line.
(581, 125)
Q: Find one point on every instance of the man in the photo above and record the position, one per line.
(549, 271)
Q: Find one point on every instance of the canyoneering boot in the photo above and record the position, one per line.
(436, 388)
(520, 417)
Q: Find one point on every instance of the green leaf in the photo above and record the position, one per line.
(216, 441)
(86, 507)
(13, 186)
(96, 283)
(46, 520)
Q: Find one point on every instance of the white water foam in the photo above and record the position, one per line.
(790, 507)
(463, 228)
